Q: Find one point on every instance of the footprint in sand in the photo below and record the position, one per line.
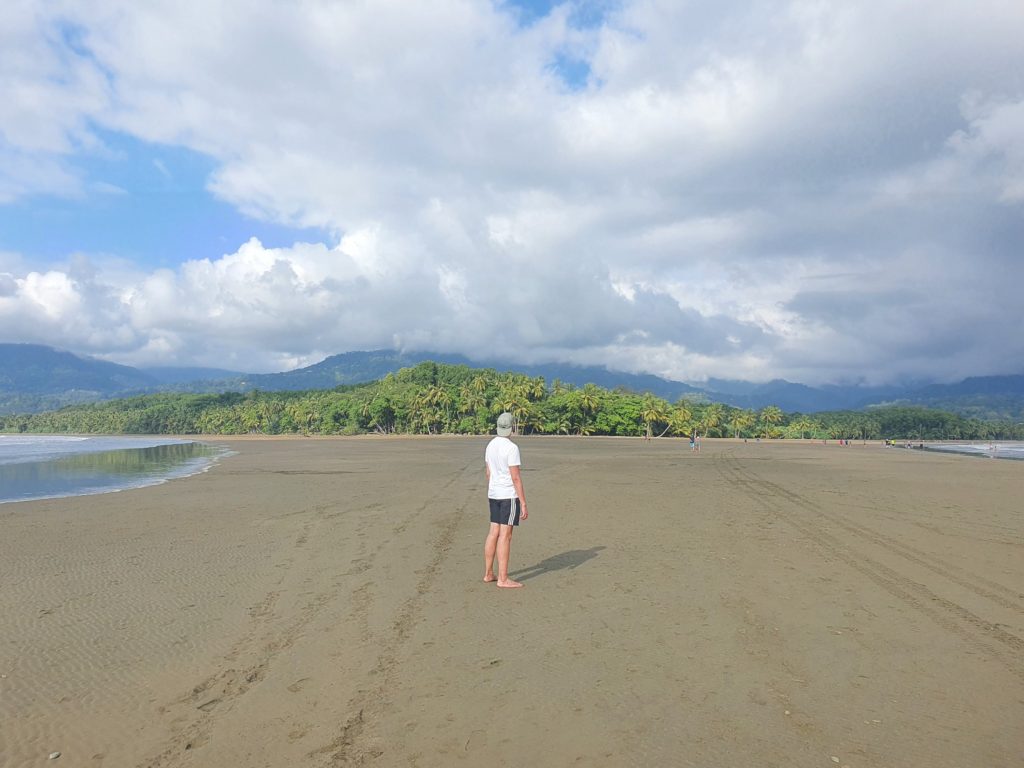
(207, 706)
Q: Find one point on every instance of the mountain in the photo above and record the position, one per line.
(578, 375)
(44, 370)
(347, 368)
(358, 367)
(980, 397)
(36, 378)
(167, 375)
(800, 397)
(39, 378)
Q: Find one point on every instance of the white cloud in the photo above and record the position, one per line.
(995, 142)
(49, 96)
(726, 176)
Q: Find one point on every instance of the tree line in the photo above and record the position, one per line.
(433, 398)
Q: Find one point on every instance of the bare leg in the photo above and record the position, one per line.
(490, 546)
(504, 551)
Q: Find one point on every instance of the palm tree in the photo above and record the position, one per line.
(804, 425)
(711, 417)
(421, 413)
(653, 411)
(313, 418)
(589, 401)
(514, 397)
(679, 419)
(590, 397)
(529, 418)
(562, 424)
(870, 429)
(441, 400)
(741, 420)
(770, 416)
(471, 400)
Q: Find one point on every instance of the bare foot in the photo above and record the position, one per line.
(489, 578)
(509, 584)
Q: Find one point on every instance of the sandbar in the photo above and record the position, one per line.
(318, 602)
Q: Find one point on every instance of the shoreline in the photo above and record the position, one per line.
(1012, 452)
(96, 465)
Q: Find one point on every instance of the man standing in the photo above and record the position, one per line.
(506, 498)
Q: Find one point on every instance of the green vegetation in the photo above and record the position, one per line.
(432, 398)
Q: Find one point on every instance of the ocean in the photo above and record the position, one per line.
(53, 466)
(992, 450)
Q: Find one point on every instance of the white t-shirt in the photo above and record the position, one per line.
(501, 454)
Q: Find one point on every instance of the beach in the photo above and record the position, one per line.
(318, 602)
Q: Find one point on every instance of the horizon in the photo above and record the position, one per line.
(810, 193)
(508, 365)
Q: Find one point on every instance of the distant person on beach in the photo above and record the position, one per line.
(506, 499)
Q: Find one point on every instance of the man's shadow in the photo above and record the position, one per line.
(566, 560)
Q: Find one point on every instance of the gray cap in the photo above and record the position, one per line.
(505, 424)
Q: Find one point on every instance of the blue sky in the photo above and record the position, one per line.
(582, 14)
(141, 201)
(815, 191)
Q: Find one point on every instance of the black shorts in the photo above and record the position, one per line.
(505, 511)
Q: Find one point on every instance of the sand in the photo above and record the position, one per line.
(319, 603)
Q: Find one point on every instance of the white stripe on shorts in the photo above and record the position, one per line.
(512, 511)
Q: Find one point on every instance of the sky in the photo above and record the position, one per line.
(815, 190)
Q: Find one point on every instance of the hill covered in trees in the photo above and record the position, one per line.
(100, 380)
(35, 378)
(433, 398)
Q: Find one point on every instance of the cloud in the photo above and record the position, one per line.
(745, 190)
(993, 145)
(50, 94)
(267, 305)
(162, 168)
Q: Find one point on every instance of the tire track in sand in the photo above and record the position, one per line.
(782, 503)
(990, 590)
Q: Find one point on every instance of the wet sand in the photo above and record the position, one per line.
(318, 603)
